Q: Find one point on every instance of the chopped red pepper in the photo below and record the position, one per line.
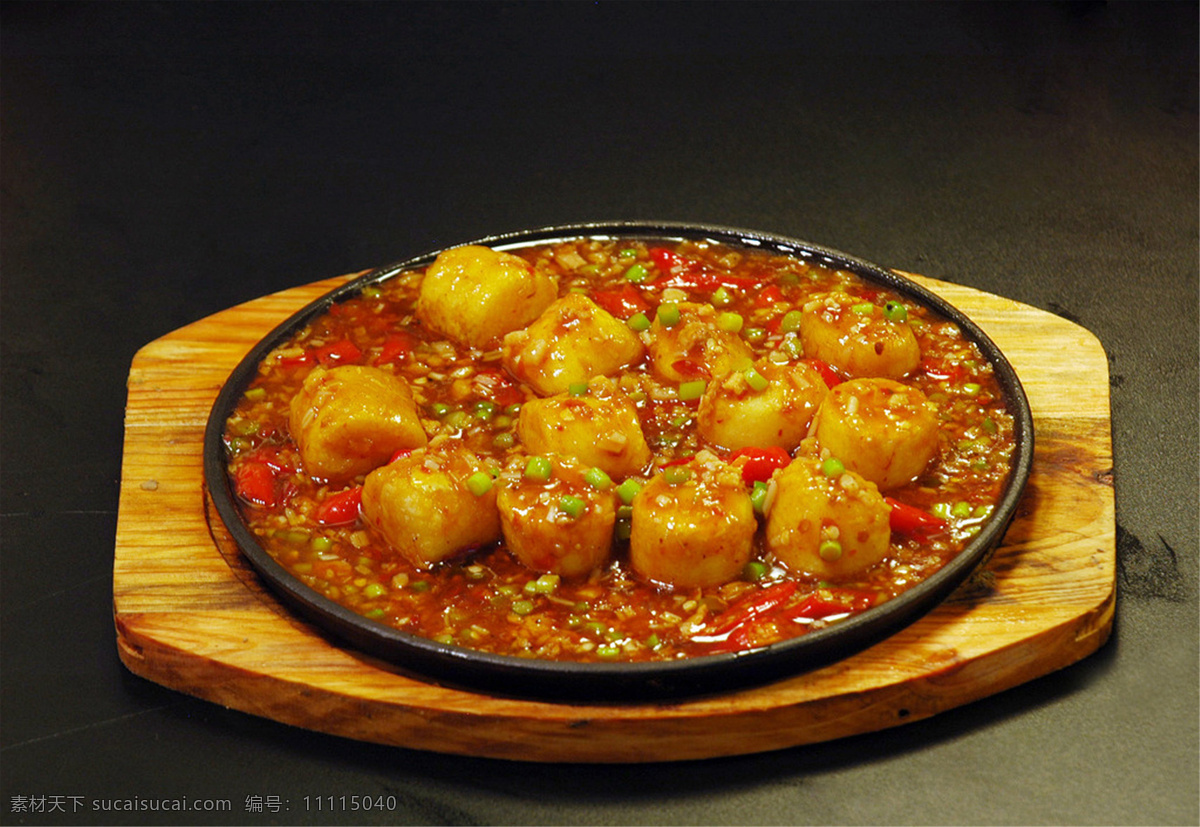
(395, 347)
(911, 521)
(690, 274)
(623, 301)
(827, 602)
(302, 360)
(689, 368)
(340, 508)
(752, 606)
(827, 372)
(760, 463)
(401, 454)
(768, 296)
(256, 483)
(339, 352)
(951, 373)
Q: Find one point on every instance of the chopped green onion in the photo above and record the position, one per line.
(895, 312)
(628, 252)
(622, 530)
(522, 607)
(608, 651)
(254, 394)
(321, 544)
(863, 309)
(374, 590)
(577, 388)
(546, 584)
(637, 274)
(721, 297)
(830, 550)
(653, 642)
(624, 512)
(504, 440)
(833, 467)
(758, 496)
(730, 322)
(479, 483)
(458, 419)
(668, 314)
(755, 380)
(439, 409)
(754, 334)
(989, 425)
(754, 570)
(598, 479)
(628, 490)
(676, 474)
(961, 509)
(790, 323)
(692, 390)
(972, 388)
(538, 468)
(571, 506)
(485, 410)
(638, 322)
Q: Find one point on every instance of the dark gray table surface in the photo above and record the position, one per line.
(162, 162)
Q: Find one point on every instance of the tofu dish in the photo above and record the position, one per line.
(619, 450)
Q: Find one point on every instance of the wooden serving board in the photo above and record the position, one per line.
(191, 615)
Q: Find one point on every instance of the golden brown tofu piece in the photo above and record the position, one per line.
(426, 507)
(857, 338)
(883, 430)
(735, 414)
(599, 428)
(559, 524)
(693, 525)
(695, 346)
(350, 419)
(572, 341)
(831, 527)
(474, 295)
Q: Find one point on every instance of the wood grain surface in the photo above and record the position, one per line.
(192, 616)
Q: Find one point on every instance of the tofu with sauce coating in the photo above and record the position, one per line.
(883, 430)
(693, 525)
(474, 295)
(828, 526)
(572, 341)
(692, 345)
(735, 414)
(560, 524)
(599, 428)
(350, 419)
(855, 336)
(425, 505)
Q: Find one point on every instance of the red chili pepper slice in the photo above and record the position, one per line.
(340, 508)
(395, 347)
(768, 296)
(751, 607)
(401, 454)
(760, 463)
(687, 273)
(911, 521)
(623, 301)
(827, 372)
(255, 483)
(303, 360)
(336, 353)
(827, 602)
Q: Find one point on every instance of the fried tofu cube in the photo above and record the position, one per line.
(690, 344)
(693, 525)
(474, 295)
(425, 505)
(351, 419)
(572, 341)
(735, 414)
(599, 428)
(560, 525)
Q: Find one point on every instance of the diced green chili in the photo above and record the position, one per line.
(668, 314)
(689, 391)
(479, 483)
(628, 489)
(638, 322)
(571, 505)
(895, 312)
(598, 479)
(676, 474)
(790, 323)
(538, 468)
